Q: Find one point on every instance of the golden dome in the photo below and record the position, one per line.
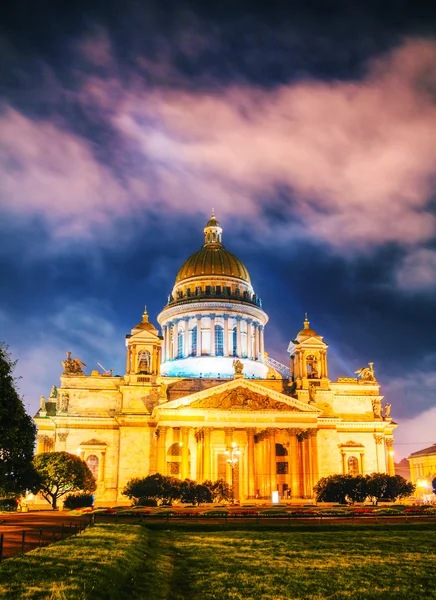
(307, 331)
(213, 259)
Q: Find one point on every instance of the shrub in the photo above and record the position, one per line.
(78, 501)
(147, 502)
(8, 504)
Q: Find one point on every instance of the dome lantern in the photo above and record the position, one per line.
(213, 233)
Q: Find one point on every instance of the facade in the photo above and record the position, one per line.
(423, 470)
(206, 388)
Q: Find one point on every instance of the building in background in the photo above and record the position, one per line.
(207, 386)
(423, 470)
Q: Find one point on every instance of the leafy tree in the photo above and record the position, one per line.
(195, 493)
(17, 434)
(221, 490)
(61, 473)
(391, 487)
(336, 488)
(157, 486)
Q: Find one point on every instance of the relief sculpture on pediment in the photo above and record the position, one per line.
(240, 399)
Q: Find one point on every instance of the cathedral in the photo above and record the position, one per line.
(201, 398)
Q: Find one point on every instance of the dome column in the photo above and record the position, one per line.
(174, 344)
(212, 335)
(249, 338)
(186, 340)
(238, 337)
(198, 335)
(261, 342)
(226, 335)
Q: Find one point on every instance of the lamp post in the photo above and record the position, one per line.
(233, 452)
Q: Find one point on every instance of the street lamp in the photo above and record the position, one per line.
(233, 452)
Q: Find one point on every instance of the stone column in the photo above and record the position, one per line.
(362, 464)
(101, 466)
(378, 449)
(185, 452)
(198, 335)
(168, 342)
(63, 438)
(162, 450)
(256, 341)
(390, 452)
(314, 451)
(308, 479)
(238, 337)
(228, 431)
(301, 463)
(267, 463)
(175, 340)
(128, 360)
(226, 335)
(199, 438)
(250, 471)
(212, 335)
(295, 476)
(262, 343)
(186, 340)
(273, 460)
(344, 465)
(206, 469)
(249, 338)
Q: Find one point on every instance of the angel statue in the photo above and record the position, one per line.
(366, 373)
(387, 410)
(73, 366)
(238, 366)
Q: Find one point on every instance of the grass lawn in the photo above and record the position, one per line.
(244, 561)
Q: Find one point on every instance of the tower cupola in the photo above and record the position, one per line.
(213, 233)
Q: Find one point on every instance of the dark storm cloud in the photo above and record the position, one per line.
(308, 126)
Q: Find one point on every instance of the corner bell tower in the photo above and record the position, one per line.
(143, 349)
(309, 359)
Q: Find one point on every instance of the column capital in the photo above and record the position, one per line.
(251, 430)
(212, 316)
(198, 316)
(229, 429)
(185, 430)
(293, 431)
(378, 438)
(162, 429)
(389, 442)
(63, 436)
(207, 430)
(225, 317)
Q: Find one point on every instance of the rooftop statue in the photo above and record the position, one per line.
(366, 373)
(238, 366)
(73, 366)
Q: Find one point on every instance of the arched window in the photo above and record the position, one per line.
(194, 341)
(92, 462)
(180, 341)
(234, 341)
(312, 367)
(219, 340)
(144, 362)
(353, 466)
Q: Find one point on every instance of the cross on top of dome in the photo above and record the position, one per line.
(213, 233)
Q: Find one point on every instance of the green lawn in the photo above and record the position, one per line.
(206, 562)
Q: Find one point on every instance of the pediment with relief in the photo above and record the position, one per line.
(241, 399)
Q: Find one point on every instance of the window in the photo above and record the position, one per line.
(180, 340)
(282, 468)
(353, 466)
(208, 290)
(234, 341)
(92, 462)
(194, 341)
(281, 450)
(219, 340)
(218, 290)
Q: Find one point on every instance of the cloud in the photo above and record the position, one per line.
(415, 434)
(48, 171)
(355, 158)
(417, 271)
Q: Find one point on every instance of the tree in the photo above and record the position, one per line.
(221, 490)
(391, 487)
(61, 473)
(17, 434)
(337, 488)
(195, 493)
(157, 487)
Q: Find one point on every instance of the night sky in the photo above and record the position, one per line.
(309, 127)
